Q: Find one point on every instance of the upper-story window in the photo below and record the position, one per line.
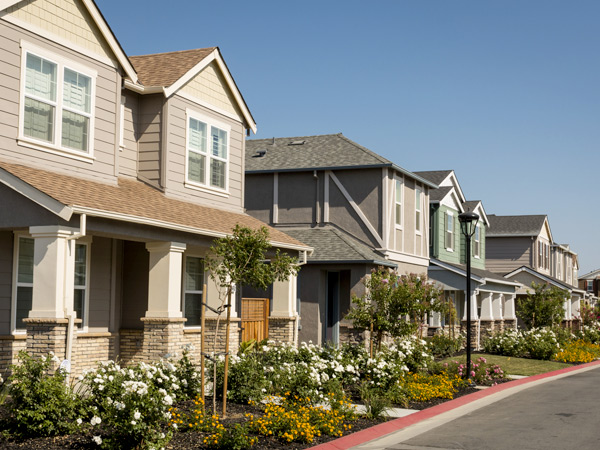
(398, 202)
(207, 152)
(559, 265)
(449, 234)
(418, 210)
(477, 242)
(57, 103)
(589, 287)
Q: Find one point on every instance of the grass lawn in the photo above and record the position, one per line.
(515, 366)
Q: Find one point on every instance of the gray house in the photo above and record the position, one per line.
(522, 249)
(357, 210)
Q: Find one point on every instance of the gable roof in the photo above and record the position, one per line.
(164, 69)
(303, 153)
(332, 245)
(479, 275)
(504, 226)
(105, 30)
(437, 195)
(169, 72)
(547, 278)
(472, 205)
(590, 275)
(435, 176)
(129, 201)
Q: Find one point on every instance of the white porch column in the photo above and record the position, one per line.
(509, 307)
(575, 306)
(567, 307)
(284, 298)
(53, 271)
(486, 307)
(435, 319)
(165, 278)
(497, 301)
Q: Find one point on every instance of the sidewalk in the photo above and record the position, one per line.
(404, 428)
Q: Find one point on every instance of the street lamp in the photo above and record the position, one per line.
(468, 222)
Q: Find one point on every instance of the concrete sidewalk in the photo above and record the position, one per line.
(399, 430)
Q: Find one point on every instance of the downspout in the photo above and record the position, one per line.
(70, 314)
(317, 208)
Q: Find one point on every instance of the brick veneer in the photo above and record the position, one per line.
(10, 346)
(162, 337)
(281, 329)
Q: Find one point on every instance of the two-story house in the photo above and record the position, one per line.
(116, 175)
(492, 296)
(357, 210)
(522, 249)
(590, 283)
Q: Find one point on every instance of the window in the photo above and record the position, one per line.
(192, 290)
(540, 255)
(207, 152)
(57, 103)
(589, 285)
(559, 265)
(477, 242)
(449, 235)
(546, 256)
(24, 280)
(398, 202)
(81, 280)
(418, 210)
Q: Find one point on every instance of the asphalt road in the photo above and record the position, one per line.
(561, 414)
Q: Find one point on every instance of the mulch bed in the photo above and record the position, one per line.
(194, 440)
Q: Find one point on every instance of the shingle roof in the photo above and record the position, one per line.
(515, 225)
(481, 273)
(164, 69)
(134, 198)
(333, 245)
(435, 176)
(323, 151)
(470, 205)
(436, 195)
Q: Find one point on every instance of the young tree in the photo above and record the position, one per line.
(543, 307)
(241, 259)
(389, 300)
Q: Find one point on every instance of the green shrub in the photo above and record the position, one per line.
(41, 404)
(376, 401)
(541, 343)
(507, 343)
(443, 346)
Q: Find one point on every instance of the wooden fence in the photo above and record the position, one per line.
(255, 319)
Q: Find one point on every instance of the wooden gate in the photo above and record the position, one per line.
(255, 319)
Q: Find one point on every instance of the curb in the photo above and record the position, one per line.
(377, 431)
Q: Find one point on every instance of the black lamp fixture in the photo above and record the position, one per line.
(468, 223)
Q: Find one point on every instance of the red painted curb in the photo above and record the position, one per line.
(377, 431)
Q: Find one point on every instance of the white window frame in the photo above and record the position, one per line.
(449, 219)
(398, 183)
(195, 291)
(62, 63)
(589, 285)
(210, 122)
(86, 287)
(419, 210)
(122, 122)
(477, 242)
(16, 284)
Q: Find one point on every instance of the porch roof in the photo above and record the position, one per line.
(131, 201)
(332, 245)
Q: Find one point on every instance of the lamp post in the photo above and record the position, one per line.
(468, 222)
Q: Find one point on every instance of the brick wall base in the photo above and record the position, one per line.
(510, 324)
(281, 329)
(163, 337)
(193, 336)
(10, 346)
(130, 346)
(475, 333)
(91, 348)
(45, 336)
(350, 335)
(487, 328)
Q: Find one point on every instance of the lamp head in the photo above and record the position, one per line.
(468, 221)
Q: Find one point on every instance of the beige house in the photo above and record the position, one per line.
(116, 175)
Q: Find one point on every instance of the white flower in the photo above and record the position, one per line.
(137, 415)
(95, 421)
(175, 425)
(79, 421)
(168, 400)
(97, 440)
(133, 422)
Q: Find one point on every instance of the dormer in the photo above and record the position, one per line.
(191, 122)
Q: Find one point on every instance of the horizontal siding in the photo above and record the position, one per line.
(128, 153)
(100, 283)
(149, 143)
(176, 158)
(105, 111)
(505, 254)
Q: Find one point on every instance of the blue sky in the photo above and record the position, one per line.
(506, 93)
